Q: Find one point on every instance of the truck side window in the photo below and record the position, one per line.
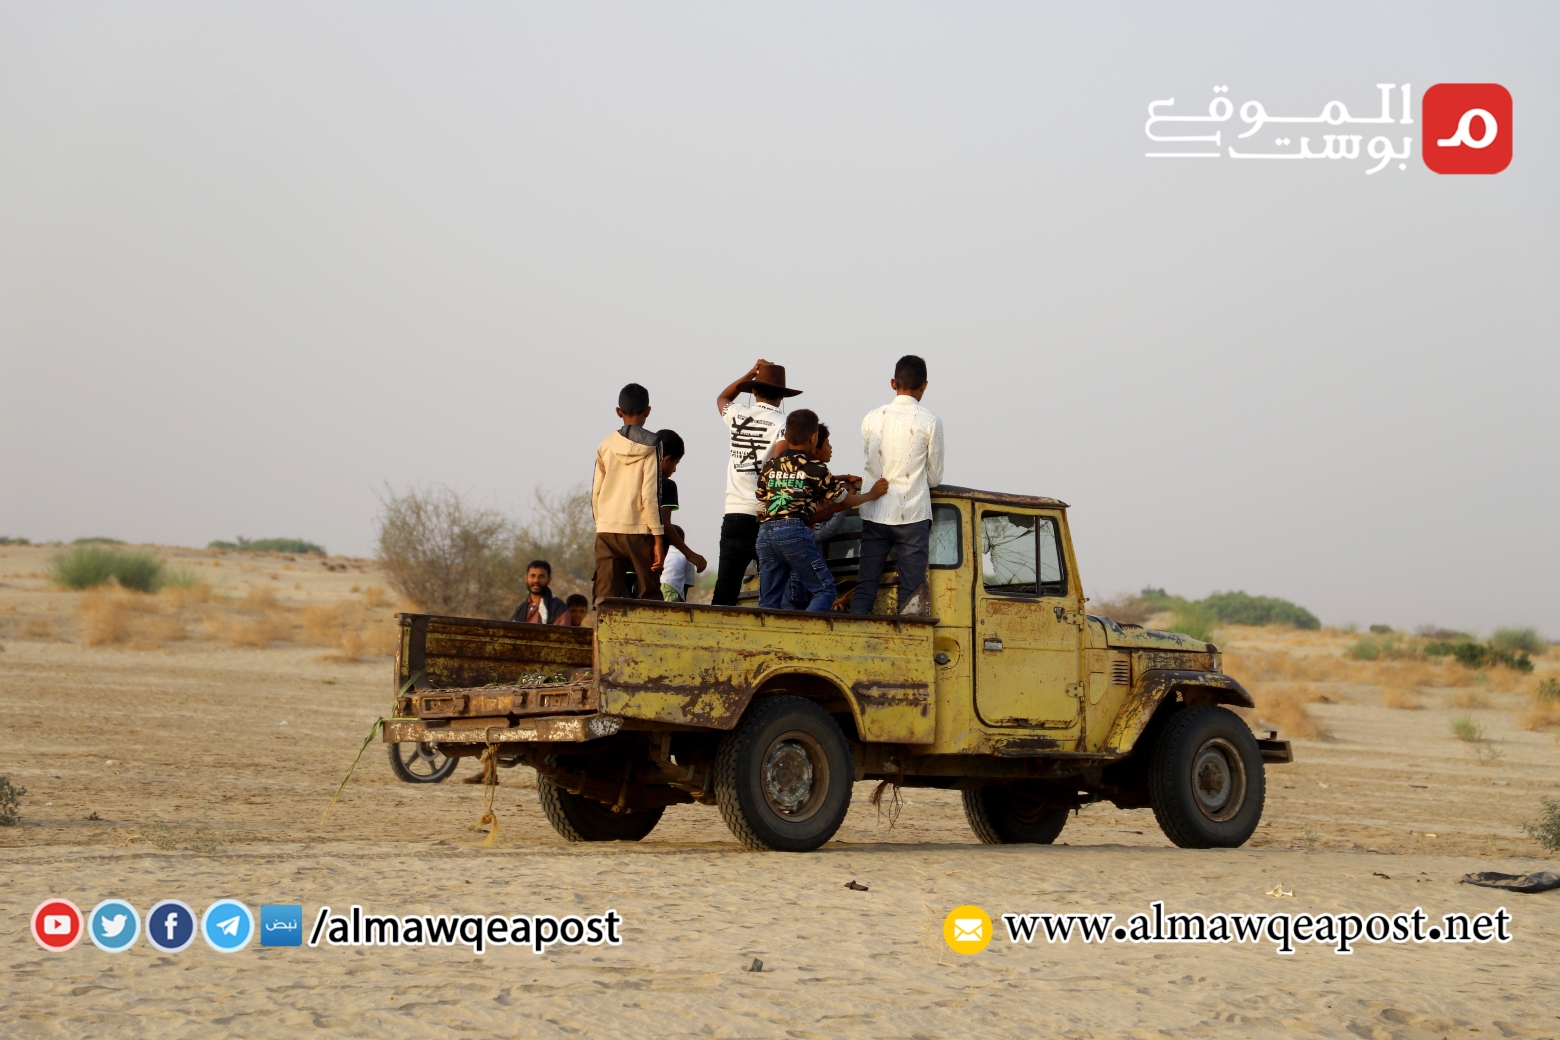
(946, 548)
(1020, 555)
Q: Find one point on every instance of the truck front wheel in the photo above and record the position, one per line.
(1205, 779)
(999, 816)
(783, 776)
(577, 818)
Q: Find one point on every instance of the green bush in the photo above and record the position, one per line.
(1520, 640)
(1546, 829)
(88, 566)
(277, 545)
(1549, 689)
(10, 801)
(1465, 729)
(1234, 608)
(1195, 620)
(181, 578)
(98, 541)
(1366, 649)
(1479, 655)
(6, 539)
(1239, 608)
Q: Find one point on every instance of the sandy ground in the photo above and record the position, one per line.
(199, 770)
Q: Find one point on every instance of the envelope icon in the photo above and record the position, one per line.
(56, 924)
(967, 929)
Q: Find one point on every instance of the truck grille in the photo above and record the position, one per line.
(1121, 672)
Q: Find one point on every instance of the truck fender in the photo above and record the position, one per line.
(1155, 686)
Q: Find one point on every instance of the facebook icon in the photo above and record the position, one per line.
(170, 925)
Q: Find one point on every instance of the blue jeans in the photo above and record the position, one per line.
(786, 550)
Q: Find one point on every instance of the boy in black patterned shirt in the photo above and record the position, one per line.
(792, 488)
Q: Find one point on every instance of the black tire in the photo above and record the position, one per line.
(999, 816)
(420, 763)
(783, 777)
(1205, 779)
(577, 818)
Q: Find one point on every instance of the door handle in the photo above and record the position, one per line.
(993, 644)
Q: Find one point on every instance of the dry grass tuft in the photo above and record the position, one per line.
(121, 617)
(1405, 700)
(37, 628)
(1284, 709)
(354, 628)
(1469, 699)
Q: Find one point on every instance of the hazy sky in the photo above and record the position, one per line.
(260, 260)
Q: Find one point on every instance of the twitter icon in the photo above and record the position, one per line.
(113, 925)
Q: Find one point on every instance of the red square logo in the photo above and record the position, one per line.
(1467, 127)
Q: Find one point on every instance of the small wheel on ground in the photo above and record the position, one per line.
(420, 763)
(1001, 816)
(1205, 779)
(577, 818)
(783, 777)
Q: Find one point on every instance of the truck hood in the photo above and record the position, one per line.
(1138, 637)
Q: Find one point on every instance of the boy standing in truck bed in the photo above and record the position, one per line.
(625, 498)
(791, 488)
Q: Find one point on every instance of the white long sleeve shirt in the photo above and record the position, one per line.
(903, 442)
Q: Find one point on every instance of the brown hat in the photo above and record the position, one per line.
(770, 380)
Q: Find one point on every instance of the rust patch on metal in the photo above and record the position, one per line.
(872, 693)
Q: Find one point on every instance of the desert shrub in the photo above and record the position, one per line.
(1546, 829)
(1403, 700)
(1442, 635)
(1232, 608)
(1239, 608)
(1125, 608)
(1467, 730)
(448, 556)
(1390, 647)
(1520, 640)
(1380, 630)
(181, 578)
(6, 539)
(1284, 709)
(1480, 655)
(1549, 690)
(278, 545)
(1195, 620)
(562, 531)
(118, 616)
(1366, 649)
(98, 541)
(88, 566)
(10, 801)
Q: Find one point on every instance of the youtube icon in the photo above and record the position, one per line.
(56, 924)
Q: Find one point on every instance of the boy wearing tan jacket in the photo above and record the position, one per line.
(625, 498)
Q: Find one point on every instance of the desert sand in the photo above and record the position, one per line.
(167, 762)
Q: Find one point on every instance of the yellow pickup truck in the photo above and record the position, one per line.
(1007, 692)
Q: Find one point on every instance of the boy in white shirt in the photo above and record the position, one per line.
(754, 429)
(903, 442)
(678, 575)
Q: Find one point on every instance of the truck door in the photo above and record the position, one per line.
(1026, 624)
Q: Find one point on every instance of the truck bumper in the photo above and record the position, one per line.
(556, 729)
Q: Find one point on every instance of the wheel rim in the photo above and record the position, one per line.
(421, 759)
(1218, 780)
(794, 776)
(1026, 810)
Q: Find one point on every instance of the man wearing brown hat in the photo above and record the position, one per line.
(754, 428)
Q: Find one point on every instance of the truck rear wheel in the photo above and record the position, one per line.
(999, 816)
(577, 818)
(783, 777)
(1205, 779)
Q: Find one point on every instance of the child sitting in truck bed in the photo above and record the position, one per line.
(791, 488)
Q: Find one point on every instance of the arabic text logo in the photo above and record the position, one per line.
(228, 925)
(1209, 142)
(281, 924)
(113, 926)
(967, 930)
(56, 924)
(170, 925)
(1467, 127)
